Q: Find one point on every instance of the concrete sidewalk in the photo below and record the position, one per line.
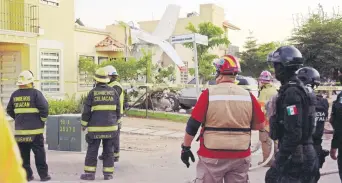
(153, 132)
(162, 128)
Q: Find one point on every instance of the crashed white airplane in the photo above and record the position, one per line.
(161, 34)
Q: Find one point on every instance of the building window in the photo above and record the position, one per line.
(184, 75)
(50, 71)
(86, 80)
(102, 59)
(50, 2)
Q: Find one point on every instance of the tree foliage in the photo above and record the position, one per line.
(131, 69)
(216, 37)
(123, 67)
(319, 38)
(87, 65)
(253, 59)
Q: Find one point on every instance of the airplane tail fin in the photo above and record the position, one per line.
(167, 24)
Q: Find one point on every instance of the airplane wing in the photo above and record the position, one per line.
(164, 45)
(167, 24)
(157, 54)
(171, 52)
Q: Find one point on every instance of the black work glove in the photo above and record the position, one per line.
(186, 154)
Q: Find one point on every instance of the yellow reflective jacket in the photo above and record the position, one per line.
(266, 93)
(11, 170)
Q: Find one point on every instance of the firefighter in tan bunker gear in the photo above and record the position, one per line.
(267, 90)
(227, 113)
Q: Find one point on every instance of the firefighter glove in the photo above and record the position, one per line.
(186, 154)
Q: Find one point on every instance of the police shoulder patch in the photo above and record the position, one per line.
(291, 110)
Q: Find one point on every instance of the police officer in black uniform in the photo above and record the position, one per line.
(29, 109)
(311, 78)
(100, 116)
(336, 122)
(296, 160)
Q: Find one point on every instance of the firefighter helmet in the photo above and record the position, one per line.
(111, 70)
(265, 77)
(25, 77)
(101, 76)
(227, 65)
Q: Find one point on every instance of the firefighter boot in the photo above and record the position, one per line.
(108, 177)
(88, 176)
(44, 179)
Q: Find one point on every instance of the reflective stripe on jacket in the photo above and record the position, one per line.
(115, 83)
(29, 108)
(101, 112)
(228, 119)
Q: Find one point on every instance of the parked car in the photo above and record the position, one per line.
(188, 98)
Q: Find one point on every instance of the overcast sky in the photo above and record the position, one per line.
(269, 20)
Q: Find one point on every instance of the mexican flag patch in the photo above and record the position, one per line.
(292, 110)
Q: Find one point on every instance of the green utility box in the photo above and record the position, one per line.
(66, 130)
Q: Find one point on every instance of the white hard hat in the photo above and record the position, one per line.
(25, 77)
(111, 70)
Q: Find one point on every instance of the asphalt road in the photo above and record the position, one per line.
(148, 159)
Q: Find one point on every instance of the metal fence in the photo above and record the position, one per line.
(16, 15)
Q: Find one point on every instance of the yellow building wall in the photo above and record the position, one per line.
(24, 50)
(85, 42)
(12, 15)
(58, 26)
(19, 15)
(117, 32)
(16, 9)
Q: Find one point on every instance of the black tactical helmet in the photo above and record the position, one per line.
(288, 56)
(309, 75)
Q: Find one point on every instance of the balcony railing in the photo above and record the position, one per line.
(16, 15)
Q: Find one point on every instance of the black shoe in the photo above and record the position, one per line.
(88, 176)
(108, 177)
(44, 179)
(30, 179)
(116, 159)
(100, 157)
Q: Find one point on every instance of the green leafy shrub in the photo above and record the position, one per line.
(70, 105)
